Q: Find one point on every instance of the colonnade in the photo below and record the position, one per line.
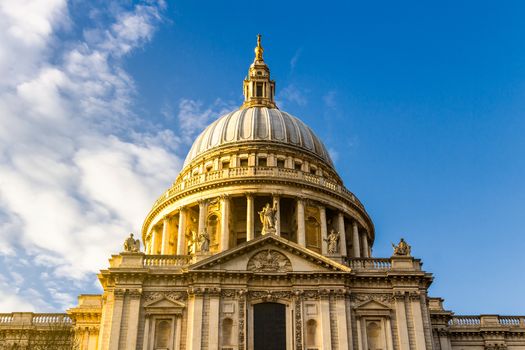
(162, 238)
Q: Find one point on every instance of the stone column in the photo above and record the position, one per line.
(202, 216)
(342, 330)
(359, 333)
(194, 322)
(165, 247)
(181, 239)
(93, 338)
(389, 338)
(250, 227)
(324, 230)
(149, 243)
(444, 340)
(401, 321)
(301, 231)
(225, 223)
(116, 318)
(419, 328)
(325, 322)
(355, 237)
(277, 204)
(147, 331)
(342, 233)
(133, 320)
(364, 239)
(213, 338)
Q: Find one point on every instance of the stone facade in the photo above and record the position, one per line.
(256, 242)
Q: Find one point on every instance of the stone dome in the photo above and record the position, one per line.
(259, 124)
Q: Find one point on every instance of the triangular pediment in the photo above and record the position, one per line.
(164, 302)
(373, 305)
(269, 254)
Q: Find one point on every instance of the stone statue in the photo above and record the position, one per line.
(268, 216)
(402, 248)
(190, 239)
(204, 241)
(131, 245)
(333, 242)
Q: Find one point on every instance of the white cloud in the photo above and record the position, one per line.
(292, 93)
(77, 171)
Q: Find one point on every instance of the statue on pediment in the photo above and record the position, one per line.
(131, 245)
(333, 242)
(268, 216)
(402, 248)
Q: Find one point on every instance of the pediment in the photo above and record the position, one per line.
(269, 254)
(373, 305)
(163, 303)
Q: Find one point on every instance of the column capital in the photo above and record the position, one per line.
(202, 202)
(224, 196)
(249, 194)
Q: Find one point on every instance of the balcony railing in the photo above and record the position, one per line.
(364, 264)
(276, 172)
(166, 260)
(487, 320)
(34, 319)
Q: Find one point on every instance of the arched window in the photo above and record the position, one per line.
(227, 329)
(311, 333)
(163, 334)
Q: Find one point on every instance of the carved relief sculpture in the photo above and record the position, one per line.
(269, 261)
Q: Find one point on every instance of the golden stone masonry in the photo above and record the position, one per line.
(259, 245)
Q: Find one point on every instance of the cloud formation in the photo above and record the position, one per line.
(78, 168)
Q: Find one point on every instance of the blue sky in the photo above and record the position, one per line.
(420, 104)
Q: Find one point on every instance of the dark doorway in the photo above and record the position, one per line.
(269, 326)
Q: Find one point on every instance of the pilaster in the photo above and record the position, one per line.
(401, 321)
(133, 321)
(116, 318)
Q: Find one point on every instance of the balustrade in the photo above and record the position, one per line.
(258, 171)
(465, 321)
(360, 264)
(166, 260)
(35, 319)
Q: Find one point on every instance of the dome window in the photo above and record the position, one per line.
(280, 163)
(261, 161)
(244, 162)
(298, 166)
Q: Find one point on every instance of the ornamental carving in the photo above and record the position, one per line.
(270, 295)
(361, 298)
(298, 324)
(269, 261)
(173, 296)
